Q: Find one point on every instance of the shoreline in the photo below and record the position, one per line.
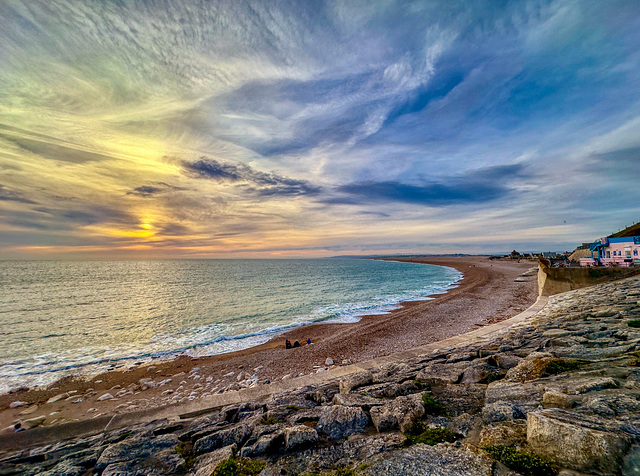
(487, 293)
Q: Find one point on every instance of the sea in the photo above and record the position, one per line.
(61, 318)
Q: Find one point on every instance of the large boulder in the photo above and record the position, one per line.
(340, 421)
(592, 446)
(401, 413)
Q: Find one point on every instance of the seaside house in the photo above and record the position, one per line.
(614, 251)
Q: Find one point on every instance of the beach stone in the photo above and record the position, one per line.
(299, 437)
(356, 380)
(106, 396)
(57, 398)
(398, 414)
(329, 361)
(17, 404)
(339, 421)
(573, 443)
(229, 436)
(265, 444)
(33, 422)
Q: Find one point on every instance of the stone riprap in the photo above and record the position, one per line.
(564, 385)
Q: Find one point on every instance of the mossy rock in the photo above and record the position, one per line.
(238, 467)
(433, 406)
(521, 462)
(418, 433)
(634, 323)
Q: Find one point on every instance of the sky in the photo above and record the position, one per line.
(223, 129)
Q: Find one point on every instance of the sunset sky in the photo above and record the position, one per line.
(309, 128)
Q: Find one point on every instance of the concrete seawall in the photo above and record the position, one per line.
(559, 280)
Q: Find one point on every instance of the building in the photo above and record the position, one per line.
(614, 251)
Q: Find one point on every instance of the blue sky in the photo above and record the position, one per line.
(266, 129)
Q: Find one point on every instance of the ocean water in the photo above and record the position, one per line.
(61, 318)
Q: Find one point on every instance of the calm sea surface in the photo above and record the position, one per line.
(77, 317)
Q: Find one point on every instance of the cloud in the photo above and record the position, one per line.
(256, 182)
(12, 196)
(147, 191)
(476, 187)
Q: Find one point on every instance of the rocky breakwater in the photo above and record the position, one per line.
(558, 393)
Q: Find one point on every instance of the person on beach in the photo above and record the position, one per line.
(309, 341)
(287, 344)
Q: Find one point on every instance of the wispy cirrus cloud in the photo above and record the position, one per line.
(194, 125)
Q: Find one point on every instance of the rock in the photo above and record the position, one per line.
(17, 404)
(398, 414)
(206, 464)
(356, 380)
(631, 463)
(106, 396)
(576, 444)
(329, 361)
(299, 437)
(529, 368)
(557, 400)
(265, 444)
(229, 436)
(339, 421)
(440, 374)
(33, 422)
(64, 468)
(439, 460)
(136, 449)
(57, 397)
(354, 400)
(506, 434)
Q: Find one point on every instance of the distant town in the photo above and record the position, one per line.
(621, 249)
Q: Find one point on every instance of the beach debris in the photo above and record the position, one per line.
(58, 397)
(17, 403)
(151, 368)
(329, 361)
(106, 396)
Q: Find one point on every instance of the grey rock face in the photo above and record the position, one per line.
(229, 436)
(135, 448)
(339, 421)
(299, 437)
(207, 463)
(440, 460)
(578, 445)
(398, 414)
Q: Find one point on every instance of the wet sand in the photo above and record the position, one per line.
(488, 293)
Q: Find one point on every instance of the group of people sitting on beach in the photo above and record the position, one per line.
(287, 344)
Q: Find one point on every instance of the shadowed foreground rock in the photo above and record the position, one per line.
(559, 392)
